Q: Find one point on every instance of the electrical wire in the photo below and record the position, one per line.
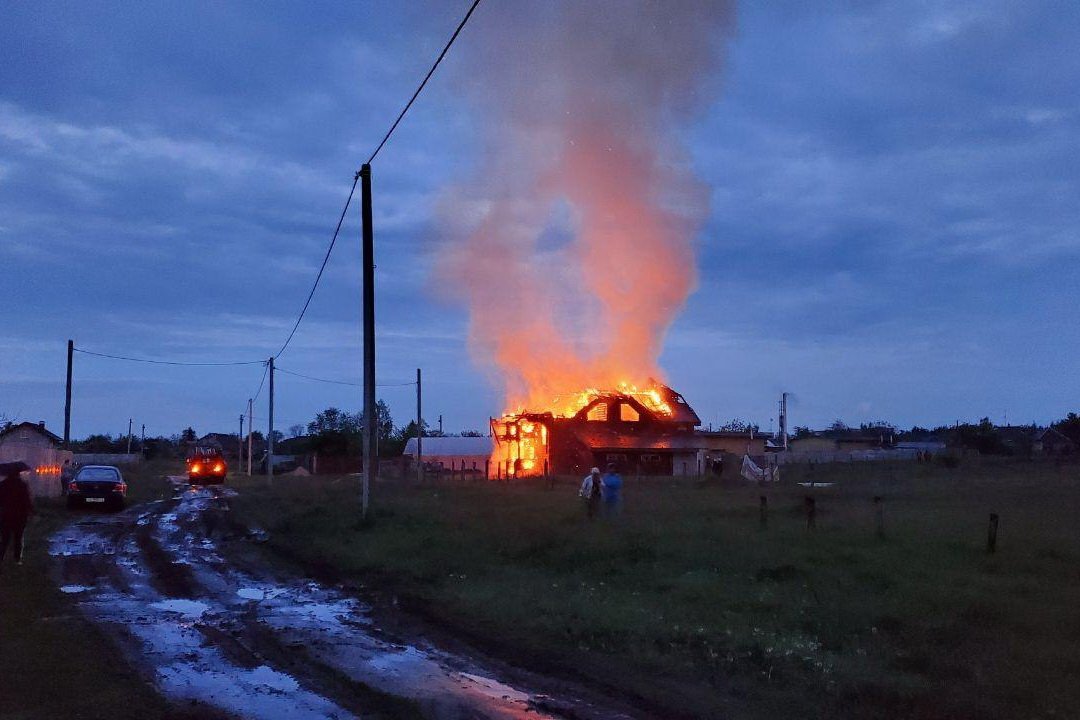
(265, 370)
(424, 82)
(165, 362)
(318, 277)
(339, 382)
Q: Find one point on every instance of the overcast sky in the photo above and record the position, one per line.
(894, 232)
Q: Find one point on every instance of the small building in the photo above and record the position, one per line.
(453, 454)
(1054, 443)
(736, 443)
(42, 450)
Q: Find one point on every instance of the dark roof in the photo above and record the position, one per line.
(36, 427)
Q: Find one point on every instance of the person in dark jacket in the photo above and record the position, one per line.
(16, 506)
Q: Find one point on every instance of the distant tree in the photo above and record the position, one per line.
(802, 431)
(472, 433)
(188, 435)
(296, 430)
(1069, 427)
(278, 436)
(735, 425)
(838, 426)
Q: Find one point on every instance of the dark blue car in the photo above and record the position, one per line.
(97, 485)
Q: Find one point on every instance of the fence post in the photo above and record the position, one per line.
(811, 513)
(879, 515)
(487, 469)
(763, 511)
(991, 537)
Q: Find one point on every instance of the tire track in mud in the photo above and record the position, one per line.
(245, 642)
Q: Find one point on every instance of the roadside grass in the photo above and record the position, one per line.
(686, 606)
(53, 662)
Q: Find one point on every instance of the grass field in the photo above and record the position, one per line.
(685, 604)
(53, 663)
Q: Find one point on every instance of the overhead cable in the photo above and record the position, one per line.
(424, 81)
(165, 362)
(322, 267)
(339, 382)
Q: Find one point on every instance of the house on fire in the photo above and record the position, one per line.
(642, 433)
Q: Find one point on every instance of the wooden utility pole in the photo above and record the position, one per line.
(370, 421)
(419, 432)
(270, 429)
(129, 437)
(251, 428)
(142, 439)
(240, 442)
(67, 396)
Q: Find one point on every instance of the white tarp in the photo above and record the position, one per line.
(753, 473)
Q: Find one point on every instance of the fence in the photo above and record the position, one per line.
(788, 457)
(107, 458)
(45, 466)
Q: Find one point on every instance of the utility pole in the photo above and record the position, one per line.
(270, 429)
(67, 396)
(129, 437)
(250, 433)
(419, 433)
(240, 442)
(440, 425)
(370, 425)
(142, 439)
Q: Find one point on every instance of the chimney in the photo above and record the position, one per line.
(41, 424)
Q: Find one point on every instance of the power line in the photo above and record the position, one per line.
(165, 362)
(424, 82)
(326, 258)
(339, 382)
(266, 368)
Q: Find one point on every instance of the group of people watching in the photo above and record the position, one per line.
(605, 490)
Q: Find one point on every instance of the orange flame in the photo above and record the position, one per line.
(578, 230)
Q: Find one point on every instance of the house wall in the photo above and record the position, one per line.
(45, 462)
(734, 445)
(811, 444)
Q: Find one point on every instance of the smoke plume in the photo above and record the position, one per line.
(573, 241)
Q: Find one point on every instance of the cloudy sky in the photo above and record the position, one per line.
(894, 228)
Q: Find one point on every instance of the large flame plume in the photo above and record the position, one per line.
(579, 224)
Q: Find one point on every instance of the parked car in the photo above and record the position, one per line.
(97, 485)
(206, 466)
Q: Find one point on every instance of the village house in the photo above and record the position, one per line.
(39, 448)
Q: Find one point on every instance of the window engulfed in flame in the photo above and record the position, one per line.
(521, 447)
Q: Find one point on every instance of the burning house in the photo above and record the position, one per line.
(642, 431)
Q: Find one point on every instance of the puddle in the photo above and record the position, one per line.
(187, 608)
(73, 589)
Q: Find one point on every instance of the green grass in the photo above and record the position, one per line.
(53, 662)
(687, 605)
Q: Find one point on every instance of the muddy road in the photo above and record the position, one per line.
(180, 587)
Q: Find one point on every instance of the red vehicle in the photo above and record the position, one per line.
(206, 466)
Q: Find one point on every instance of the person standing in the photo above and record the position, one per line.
(612, 490)
(591, 490)
(16, 506)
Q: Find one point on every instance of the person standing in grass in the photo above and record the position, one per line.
(591, 489)
(612, 490)
(16, 506)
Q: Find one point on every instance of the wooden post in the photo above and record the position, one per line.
(67, 397)
(811, 513)
(547, 476)
(487, 469)
(991, 537)
(419, 432)
(270, 427)
(879, 515)
(764, 512)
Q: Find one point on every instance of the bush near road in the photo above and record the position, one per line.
(687, 605)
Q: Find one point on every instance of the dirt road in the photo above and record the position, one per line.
(176, 584)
